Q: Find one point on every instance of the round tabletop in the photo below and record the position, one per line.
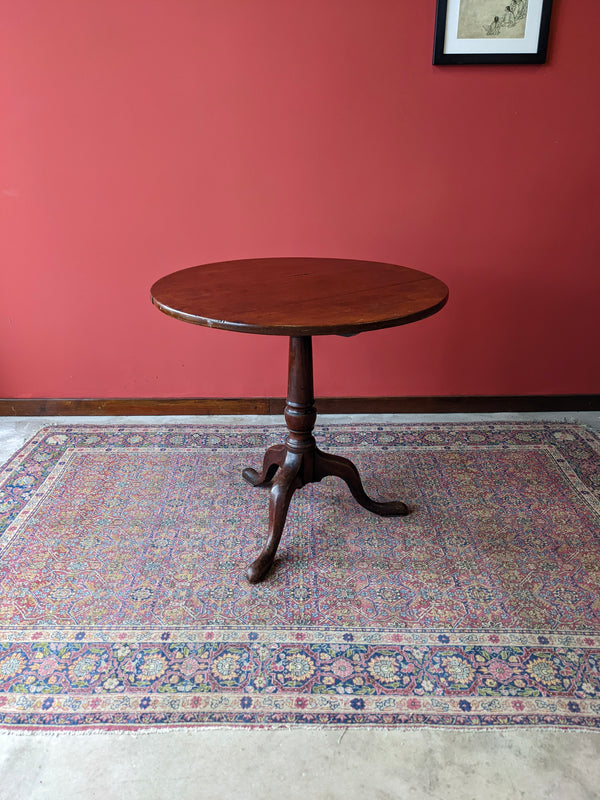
(299, 296)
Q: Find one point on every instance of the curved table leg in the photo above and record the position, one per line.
(340, 467)
(289, 466)
(274, 458)
(280, 494)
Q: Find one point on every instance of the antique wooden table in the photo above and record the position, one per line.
(300, 298)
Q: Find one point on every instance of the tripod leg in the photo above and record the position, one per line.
(340, 467)
(284, 485)
(274, 458)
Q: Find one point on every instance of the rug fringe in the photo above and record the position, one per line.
(195, 730)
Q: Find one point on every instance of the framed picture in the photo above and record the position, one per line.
(491, 31)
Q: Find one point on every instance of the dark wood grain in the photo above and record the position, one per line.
(204, 406)
(299, 461)
(299, 296)
(133, 406)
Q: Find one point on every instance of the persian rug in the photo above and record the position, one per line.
(123, 601)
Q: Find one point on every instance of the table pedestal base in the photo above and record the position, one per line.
(289, 466)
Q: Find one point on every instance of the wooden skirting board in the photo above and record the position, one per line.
(148, 406)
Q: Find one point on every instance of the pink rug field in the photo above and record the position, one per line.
(123, 601)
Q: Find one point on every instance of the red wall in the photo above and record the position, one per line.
(142, 136)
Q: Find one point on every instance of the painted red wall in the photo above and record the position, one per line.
(142, 136)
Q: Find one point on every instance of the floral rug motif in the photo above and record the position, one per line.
(123, 601)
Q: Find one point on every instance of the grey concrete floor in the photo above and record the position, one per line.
(303, 762)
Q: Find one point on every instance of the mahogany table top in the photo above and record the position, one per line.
(299, 296)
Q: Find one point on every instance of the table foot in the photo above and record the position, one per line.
(340, 467)
(283, 487)
(274, 458)
(296, 470)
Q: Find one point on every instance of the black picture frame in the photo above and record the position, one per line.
(449, 48)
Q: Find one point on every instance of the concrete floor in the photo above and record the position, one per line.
(545, 764)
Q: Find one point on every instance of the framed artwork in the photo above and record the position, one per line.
(491, 31)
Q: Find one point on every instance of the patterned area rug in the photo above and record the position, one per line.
(123, 601)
